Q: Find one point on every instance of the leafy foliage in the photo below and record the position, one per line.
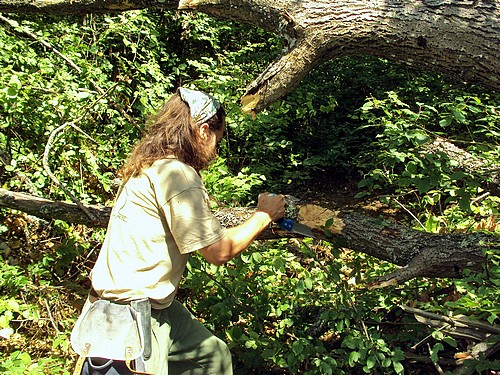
(446, 187)
(78, 90)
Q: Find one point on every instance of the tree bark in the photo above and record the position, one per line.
(418, 253)
(65, 7)
(459, 38)
(52, 210)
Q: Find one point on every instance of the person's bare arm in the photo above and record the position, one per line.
(237, 239)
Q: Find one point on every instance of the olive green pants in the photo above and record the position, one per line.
(182, 345)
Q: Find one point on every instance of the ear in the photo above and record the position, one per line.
(204, 131)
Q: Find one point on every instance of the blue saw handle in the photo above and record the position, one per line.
(286, 224)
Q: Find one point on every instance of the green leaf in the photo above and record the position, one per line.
(81, 95)
(13, 305)
(398, 367)
(361, 194)
(371, 361)
(411, 167)
(423, 184)
(386, 362)
(458, 176)
(418, 137)
(354, 358)
(257, 257)
(464, 203)
(367, 106)
(450, 341)
(492, 318)
(459, 116)
(11, 92)
(398, 355)
(435, 351)
(308, 283)
(446, 122)
(329, 222)
(438, 335)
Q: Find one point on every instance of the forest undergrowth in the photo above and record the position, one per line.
(285, 307)
(360, 132)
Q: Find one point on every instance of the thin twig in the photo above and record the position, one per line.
(50, 316)
(425, 339)
(48, 146)
(47, 169)
(482, 196)
(435, 363)
(24, 30)
(411, 213)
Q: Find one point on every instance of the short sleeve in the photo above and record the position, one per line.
(191, 221)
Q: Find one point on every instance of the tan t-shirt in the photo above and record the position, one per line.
(157, 220)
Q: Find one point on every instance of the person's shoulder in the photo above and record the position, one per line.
(169, 163)
(172, 165)
(174, 171)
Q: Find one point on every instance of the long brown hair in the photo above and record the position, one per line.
(171, 132)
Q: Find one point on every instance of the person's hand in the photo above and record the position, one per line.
(272, 204)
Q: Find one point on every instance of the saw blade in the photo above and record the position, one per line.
(303, 230)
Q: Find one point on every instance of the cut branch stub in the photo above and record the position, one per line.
(280, 77)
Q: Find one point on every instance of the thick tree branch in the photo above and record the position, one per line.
(418, 253)
(459, 38)
(51, 210)
(464, 160)
(64, 7)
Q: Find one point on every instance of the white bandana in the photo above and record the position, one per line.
(203, 106)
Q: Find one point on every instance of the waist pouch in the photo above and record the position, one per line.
(98, 366)
(108, 330)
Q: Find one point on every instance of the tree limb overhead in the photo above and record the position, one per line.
(459, 38)
(64, 7)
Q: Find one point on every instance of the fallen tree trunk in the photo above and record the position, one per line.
(418, 253)
(53, 210)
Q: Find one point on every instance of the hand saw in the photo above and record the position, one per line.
(292, 226)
